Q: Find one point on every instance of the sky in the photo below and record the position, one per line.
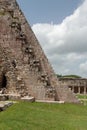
(61, 28)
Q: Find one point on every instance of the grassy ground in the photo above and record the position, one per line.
(42, 116)
(82, 96)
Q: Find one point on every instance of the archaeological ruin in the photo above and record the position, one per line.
(76, 85)
(24, 68)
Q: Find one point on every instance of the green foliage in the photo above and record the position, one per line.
(43, 116)
(81, 96)
(59, 76)
(68, 76)
(72, 76)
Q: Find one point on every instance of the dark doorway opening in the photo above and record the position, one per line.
(4, 81)
(76, 89)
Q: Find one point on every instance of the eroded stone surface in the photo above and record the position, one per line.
(24, 68)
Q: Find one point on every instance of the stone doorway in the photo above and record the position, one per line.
(3, 85)
(4, 81)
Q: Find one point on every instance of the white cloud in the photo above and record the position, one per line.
(83, 67)
(66, 44)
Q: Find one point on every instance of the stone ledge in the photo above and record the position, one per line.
(4, 97)
(27, 98)
(47, 101)
(5, 104)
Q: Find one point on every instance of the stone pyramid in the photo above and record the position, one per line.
(24, 68)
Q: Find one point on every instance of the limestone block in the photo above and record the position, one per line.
(29, 99)
(5, 105)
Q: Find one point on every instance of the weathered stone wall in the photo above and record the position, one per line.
(24, 67)
(77, 85)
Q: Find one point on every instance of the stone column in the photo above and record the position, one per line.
(73, 89)
(84, 89)
(79, 90)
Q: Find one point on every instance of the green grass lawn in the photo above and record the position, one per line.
(43, 116)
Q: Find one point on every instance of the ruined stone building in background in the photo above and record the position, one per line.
(76, 85)
(24, 68)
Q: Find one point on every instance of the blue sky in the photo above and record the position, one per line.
(61, 28)
(46, 11)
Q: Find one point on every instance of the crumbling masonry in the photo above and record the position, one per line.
(24, 68)
(77, 85)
